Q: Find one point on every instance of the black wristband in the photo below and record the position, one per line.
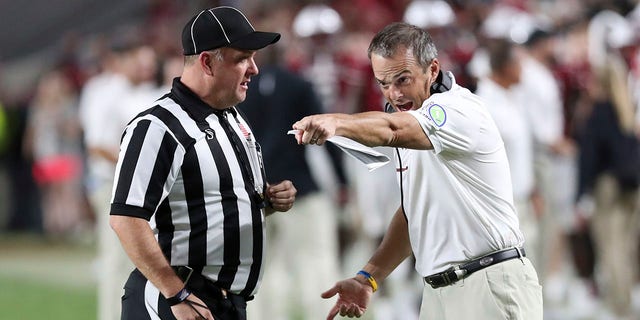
(179, 297)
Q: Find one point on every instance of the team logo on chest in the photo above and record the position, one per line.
(437, 114)
(210, 134)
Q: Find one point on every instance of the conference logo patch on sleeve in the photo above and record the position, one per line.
(437, 115)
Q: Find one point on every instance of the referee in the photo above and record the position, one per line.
(190, 193)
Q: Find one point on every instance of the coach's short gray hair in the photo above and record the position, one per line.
(400, 34)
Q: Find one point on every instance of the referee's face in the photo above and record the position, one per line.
(232, 75)
(404, 83)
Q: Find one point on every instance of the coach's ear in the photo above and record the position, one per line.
(434, 68)
(432, 71)
(442, 83)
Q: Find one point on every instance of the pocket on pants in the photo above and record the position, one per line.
(495, 291)
(515, 289)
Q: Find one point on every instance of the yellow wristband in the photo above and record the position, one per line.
(370, 278)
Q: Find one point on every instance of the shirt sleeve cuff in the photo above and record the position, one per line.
(119, 209)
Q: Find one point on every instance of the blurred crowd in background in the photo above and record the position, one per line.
(560, 77)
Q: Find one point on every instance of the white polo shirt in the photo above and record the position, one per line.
(458, 197)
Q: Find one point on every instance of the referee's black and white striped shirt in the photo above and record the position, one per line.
(178, 169)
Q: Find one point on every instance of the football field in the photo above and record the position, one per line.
(44, 279)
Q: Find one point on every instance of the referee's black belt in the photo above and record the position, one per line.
(459, 272)
(201, 285)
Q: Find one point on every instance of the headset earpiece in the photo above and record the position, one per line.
(442, 84)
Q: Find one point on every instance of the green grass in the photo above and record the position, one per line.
(25, 300)
(42, 278)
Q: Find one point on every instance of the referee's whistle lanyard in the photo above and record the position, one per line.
(256, 157)
(255, 153)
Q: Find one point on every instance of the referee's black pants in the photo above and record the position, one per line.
(143, 301)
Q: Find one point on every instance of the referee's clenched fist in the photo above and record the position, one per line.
(281, 196)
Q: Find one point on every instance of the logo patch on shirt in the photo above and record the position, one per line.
(438, 115)
(210, 134)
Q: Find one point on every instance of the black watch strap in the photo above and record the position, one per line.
(179, 297)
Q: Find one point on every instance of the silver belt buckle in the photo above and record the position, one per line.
(460, 273)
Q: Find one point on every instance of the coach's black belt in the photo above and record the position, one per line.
(459, 272)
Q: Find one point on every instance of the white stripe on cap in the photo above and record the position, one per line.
(221, 27)
(193, 39)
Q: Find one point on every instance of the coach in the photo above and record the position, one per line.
(457, 215)
(190, 195)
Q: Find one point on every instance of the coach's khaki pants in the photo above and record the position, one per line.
(508, 290)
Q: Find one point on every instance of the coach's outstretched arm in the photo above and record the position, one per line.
(399, 129)
(354, 293)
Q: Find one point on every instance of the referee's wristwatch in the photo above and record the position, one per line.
(180, 297)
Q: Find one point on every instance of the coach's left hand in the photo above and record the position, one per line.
(281, 195)
(353, 298)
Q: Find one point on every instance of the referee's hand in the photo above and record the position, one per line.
(192, 309)
(281, 195)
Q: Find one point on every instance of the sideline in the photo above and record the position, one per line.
(35, 258)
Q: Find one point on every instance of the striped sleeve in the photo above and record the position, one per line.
(144, 171)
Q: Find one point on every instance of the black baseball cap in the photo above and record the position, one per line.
(223, 27)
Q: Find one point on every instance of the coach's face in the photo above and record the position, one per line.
(404, 83)
(231, 76)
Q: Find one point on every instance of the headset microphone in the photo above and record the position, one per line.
(388, 108)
